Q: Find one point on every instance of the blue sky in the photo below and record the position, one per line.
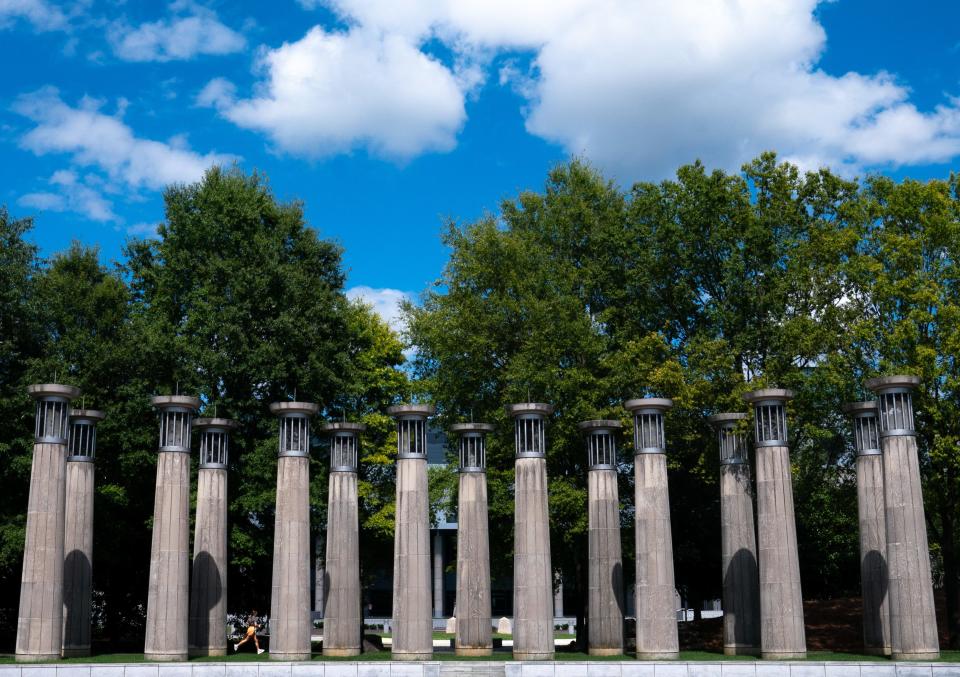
(388, 117)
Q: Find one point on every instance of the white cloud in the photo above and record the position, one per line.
(71, 193)
(333, 92)
(41, 14)
(177, 38)
(641, 87)
(641, 91)
(143, 230)
(43, 201)
(385, 302)
(94, 139)
(218, 93)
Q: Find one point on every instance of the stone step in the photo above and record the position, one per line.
(467, 669)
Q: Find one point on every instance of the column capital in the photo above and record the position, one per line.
(51, 422)
(82, 443)
(473, 447)
(601, 443)
(344, 445)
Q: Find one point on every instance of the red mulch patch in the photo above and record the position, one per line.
(832, 625)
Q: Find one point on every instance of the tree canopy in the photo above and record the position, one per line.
(584, 294)
(700, 288)
(237, 301)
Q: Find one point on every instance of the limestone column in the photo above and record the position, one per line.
(208, 594)
(412, 618)
(78, 532)
(437, 574)
(40, 617)
(913, 621)
(343, 621)
(290, 621)
(873, 534)
(474, 635)
(168, 592)
(557, 595)
(657, 633)
(782, 633)
(319, 574)
(605, 575)
(738, 542)
(532, 570)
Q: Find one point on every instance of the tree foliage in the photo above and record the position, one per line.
(700, 288)
(582, 295)
(237, 301)
(19, 343)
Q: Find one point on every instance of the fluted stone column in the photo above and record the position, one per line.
(290, 620)
(913, 621)
(78, 532)
(168, 593)
(474, 635)
(532, 570)
(782, 633)
(738, 543)
(208, 594)
(657, 634)
(343, 622)
(40, 617)
(557, 595)
(319, 574)
(605, 575)
(437, 574)
(412, 616)
(873, 534)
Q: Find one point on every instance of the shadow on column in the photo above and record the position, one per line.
(616, 580)
(743, 577)
(77, 573)
(873, 572)
(326, 594)
(210, 590)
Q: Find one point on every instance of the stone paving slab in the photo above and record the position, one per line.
(490, 669)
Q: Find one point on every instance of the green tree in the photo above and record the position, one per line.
(519, 315)
(905, 291)
(698, 289)
(87, 342)
(746, 274)
(239, 301)
(19, 343)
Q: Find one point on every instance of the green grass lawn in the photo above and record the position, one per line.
(945, 657)
(496, 635)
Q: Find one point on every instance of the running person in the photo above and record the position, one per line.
(251, 633)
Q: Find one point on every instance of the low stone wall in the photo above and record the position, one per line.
(488, 669)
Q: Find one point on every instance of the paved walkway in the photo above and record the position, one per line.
(489, 669)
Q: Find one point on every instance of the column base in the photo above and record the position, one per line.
(741, 650)
(75, 652)
(341, 652)
(289, 656)
(164, 657)
(658, 655)
(474, 650)
(412, 656)
(877, 650)
(35, 657)
(605, 651)
(533, 656)
(783, 655)
(207, 651)
(915, 655)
